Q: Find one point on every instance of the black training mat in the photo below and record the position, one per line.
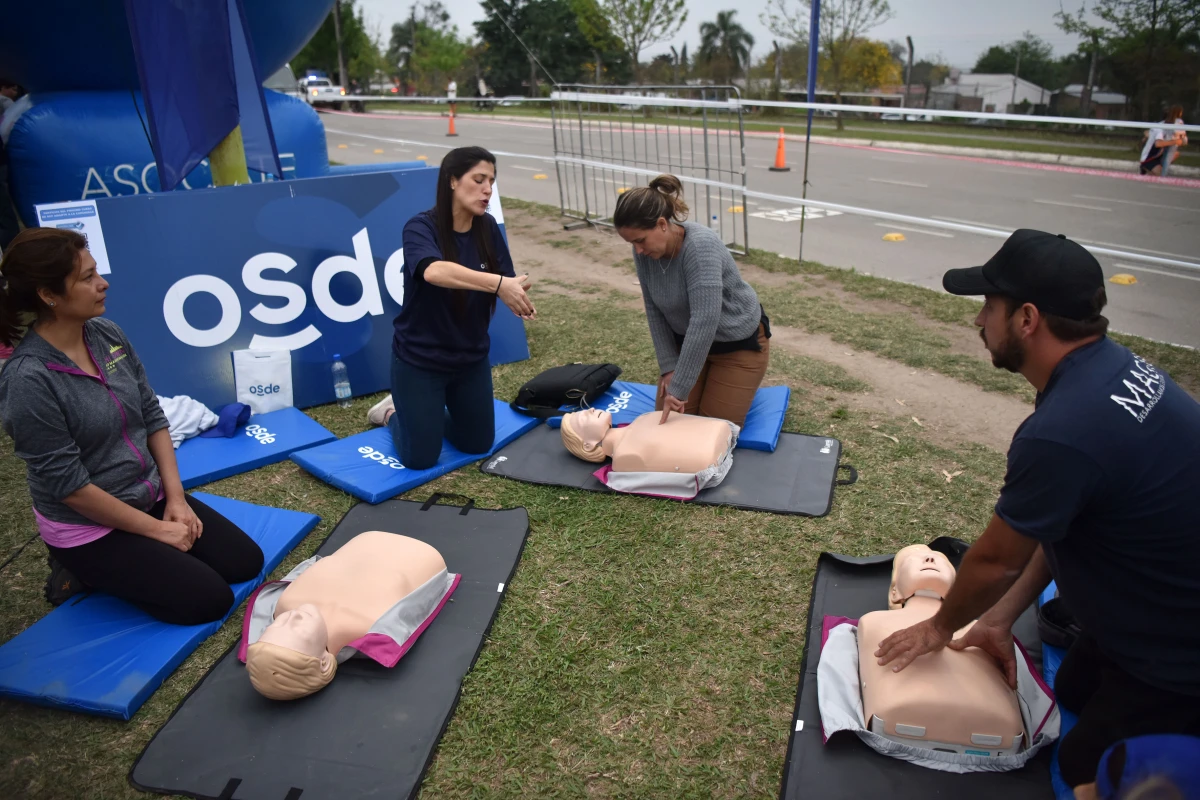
(798, 478)
(845, 768)
(372, 731)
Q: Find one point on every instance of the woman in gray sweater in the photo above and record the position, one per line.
(98, 456)
(710, 332)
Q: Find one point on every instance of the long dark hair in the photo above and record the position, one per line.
(455, 165)
(37, 258)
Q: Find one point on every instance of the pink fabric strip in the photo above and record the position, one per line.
(73, 534)
(603, 473)
(831, 622)
(1041, 684)
(68, 534)
(828, 623)
(384, 649)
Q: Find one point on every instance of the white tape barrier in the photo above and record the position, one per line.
(734, 103)
(390, 98)
(867, 212)
(795, 201)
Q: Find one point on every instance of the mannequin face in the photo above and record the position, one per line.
(922, 568)
(301, 629)
(655, 242)
(591, 425)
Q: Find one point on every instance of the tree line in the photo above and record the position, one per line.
(1148, 50)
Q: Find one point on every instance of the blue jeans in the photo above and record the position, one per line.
(431, 406)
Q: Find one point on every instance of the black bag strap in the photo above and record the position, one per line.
(433, 499)
(541, 412)
(853, 479)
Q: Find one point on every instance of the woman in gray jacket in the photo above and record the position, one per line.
(710, 333)
(99, 461)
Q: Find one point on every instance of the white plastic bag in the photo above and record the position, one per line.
(263, 379)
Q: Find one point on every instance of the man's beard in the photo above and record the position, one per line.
(1009, 355)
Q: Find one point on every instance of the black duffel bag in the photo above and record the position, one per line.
(571, 384)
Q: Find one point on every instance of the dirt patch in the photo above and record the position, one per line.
(595, 259)
(950, 412)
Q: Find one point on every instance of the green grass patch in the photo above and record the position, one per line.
(644, 648)
(1182, 363)
(899, 337)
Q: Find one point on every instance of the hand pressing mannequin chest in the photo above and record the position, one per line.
(955, 700)
(336, 601)
(683, 444)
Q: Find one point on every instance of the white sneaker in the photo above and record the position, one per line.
(378, 413)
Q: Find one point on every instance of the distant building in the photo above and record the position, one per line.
(972, 91)
(1105, 104)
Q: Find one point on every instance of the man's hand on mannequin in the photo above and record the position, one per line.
(904, 646)
(989, 569)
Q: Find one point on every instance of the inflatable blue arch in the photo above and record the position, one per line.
(80, 133)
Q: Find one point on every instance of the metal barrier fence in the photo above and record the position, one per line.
(608, 139)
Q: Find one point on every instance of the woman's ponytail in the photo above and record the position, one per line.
(644, 206)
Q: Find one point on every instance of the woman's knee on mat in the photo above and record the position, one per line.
(197, 606)
(225, 547)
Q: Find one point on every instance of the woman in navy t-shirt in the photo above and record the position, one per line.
(456, 265)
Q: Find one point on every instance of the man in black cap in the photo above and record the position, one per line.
(1100, 494)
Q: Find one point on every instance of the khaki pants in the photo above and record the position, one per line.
(727, 383)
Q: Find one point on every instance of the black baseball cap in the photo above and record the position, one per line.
(1050, 271)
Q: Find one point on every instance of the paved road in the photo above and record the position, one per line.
(1138, 217)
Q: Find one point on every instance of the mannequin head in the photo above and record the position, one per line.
(917, 567)
(584, 431)
(289, 660)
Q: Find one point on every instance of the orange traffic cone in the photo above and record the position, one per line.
(780, 159)
(452, 133)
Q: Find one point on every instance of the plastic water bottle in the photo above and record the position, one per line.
(341, 382)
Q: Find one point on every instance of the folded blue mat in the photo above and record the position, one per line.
(1051, 660)
(628, 401)
(100, 655)
(267, 438)
(367, 466)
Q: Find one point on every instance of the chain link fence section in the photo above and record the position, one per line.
(607, 137)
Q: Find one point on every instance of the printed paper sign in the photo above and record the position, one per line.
(79, 216)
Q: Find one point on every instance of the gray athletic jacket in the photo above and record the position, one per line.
(72, 429)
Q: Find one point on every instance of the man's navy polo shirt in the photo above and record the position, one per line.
(1106, 475)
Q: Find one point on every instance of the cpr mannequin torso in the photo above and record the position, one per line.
(684, 443)
(951, 697)
(372, 597)
(355, 586)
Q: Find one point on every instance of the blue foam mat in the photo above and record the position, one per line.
(628, 401)
(278, 434)
(367, 466)
(1051, 660)
(99, 655)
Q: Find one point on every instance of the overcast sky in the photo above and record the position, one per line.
(960, 30)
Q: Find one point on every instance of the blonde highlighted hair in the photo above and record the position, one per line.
(575, 444)
(280, 673)
(644, 206)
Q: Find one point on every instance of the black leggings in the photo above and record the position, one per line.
(177, 587)
(1112, 705)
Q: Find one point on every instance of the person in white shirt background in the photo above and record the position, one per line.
(1160, 151)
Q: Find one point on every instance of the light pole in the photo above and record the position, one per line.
(908, 72)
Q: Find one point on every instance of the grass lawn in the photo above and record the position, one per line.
(645, 648)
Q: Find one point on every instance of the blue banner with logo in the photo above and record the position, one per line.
(311, 266)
